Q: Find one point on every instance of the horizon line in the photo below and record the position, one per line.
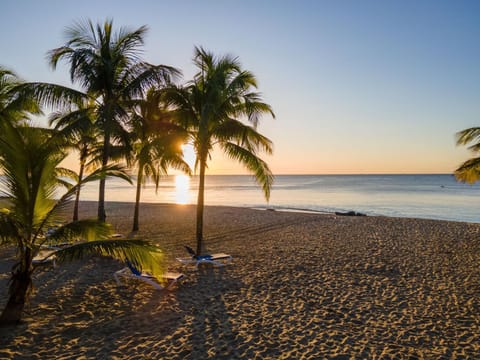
(327, 174)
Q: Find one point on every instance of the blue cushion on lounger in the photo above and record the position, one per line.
(204, 257)
(134, 270)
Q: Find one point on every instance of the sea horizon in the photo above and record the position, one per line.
(431, 196)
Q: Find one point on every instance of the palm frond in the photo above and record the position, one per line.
(51, 95)
(66, 173)
(253, 163)
(113, 170)
(143, 254)
(243, 135)
(142, 76)
(469, 171)
(470, 135)
(14, 106)
(86, 230)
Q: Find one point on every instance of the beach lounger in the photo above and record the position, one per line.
(131, 272)
(218, 259)
(43, 257)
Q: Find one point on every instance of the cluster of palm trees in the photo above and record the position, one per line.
(124, 115)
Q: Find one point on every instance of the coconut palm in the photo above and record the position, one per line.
(213, 106)
(78, 129)
(14, 106)
(107, 67)
(469, 171)
(156, 145)
(29, 159)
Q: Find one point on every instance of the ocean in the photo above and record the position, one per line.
(419, 196)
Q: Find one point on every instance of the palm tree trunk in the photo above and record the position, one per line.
(102, 216)
(21, 283)
(200, 205)
(137, 198)
(77, 195)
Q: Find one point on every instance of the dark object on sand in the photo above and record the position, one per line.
(349, 213)
(190, 251)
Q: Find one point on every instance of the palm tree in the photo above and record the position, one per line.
(107, 66)
(29, 159)
(469, 171)
(156, 145)
(213, 106)
(78, 129)
(13, 106)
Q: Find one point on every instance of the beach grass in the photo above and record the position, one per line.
(300, 286)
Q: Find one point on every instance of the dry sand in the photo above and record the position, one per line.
(301, 286)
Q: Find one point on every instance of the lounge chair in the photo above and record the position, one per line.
(131, 272)
(44, 256)
(218, 259)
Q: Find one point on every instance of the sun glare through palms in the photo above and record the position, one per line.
(189, 155)
(182, 189)
(182, 182)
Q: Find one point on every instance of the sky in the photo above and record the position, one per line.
(357, 86)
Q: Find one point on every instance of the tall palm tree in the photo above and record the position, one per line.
(78, 130)
(29, 159)
(213, 106)
(13, 106)
(77, 127)
(469, 171)
(107, 67)
(156, 145)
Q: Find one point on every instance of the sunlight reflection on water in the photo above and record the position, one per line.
(182, 189)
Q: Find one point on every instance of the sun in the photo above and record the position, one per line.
(189, 155)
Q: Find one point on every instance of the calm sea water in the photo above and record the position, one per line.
(422, 196)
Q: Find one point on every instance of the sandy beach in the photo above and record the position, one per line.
(301, 286)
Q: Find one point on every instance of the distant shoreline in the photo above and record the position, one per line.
(115, 204)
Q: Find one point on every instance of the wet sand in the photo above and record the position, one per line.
(301, 286)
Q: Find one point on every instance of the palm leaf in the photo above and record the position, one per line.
(469, 135)
(109, 171)
(469, 171)
(51, 95)
(243, 135)
(87, 229)
(253, 163)
(143, 254)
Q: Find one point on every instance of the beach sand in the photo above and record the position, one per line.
(301, 286)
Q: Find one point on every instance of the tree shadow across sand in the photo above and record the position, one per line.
(211, 334)
(78, 310)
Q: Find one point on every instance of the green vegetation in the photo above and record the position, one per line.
(126, 115)
(469, 171)
(30, 158)
(107, 66)
(212, 106)
(156, 145)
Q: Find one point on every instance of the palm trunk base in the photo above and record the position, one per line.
(19, 289)
(136, 213)
(200, 205)
(102, 216)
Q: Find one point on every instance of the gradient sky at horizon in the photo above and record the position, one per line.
(357, 86)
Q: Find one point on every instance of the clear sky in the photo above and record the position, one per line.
(357, 86)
